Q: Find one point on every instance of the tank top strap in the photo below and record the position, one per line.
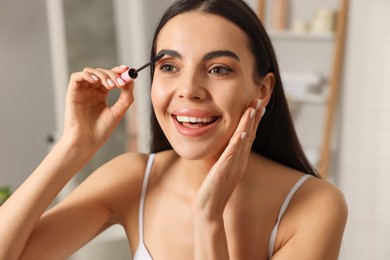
(283, 208)
(142, 197)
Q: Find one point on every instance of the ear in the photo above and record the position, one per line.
(266, 87)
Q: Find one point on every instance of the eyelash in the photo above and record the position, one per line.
(218, 71)
(168, 68)
(225, 71)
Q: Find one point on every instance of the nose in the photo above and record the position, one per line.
(192, 87)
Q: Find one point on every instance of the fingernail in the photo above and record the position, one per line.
(120, 82)
(123, 66)
(258, 104)
(111, 83)
(243, 135)
(94, 77)
(263, 112)
(252, 114)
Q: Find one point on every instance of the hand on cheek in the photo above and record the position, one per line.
(227, 172)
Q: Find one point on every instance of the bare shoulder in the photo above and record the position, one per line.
(315, 196)
(314, 222)
(123, 168)
(117, 184)
(125, 165)
(323, 192)
(322, 200)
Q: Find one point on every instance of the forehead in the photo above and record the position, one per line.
(198, 31)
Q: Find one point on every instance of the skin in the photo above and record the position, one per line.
(209, 198)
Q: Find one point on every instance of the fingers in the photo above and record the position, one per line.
(103, 80)
(246, 130)
(120, 69)
(125, 100)
(108, 78)
(111, 79)
(258, 113)
(250, 119)
(260, 110)
(235, 156)
(80, 77)
(242, 137)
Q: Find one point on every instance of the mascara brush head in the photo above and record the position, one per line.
(133, 73)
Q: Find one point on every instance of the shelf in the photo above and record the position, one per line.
(308, 98)
(290, 44)
(305, 87)
(301, 36)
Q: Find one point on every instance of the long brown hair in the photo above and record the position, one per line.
(276, 137)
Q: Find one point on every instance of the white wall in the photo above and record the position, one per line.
(365, 136)
(26, 99)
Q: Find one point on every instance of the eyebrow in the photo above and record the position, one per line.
(208, 56)
(222, 53)
(172, 53)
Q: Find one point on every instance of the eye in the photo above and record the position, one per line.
(168, 68)
(220, 70)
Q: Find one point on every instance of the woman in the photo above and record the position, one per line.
(227, 178)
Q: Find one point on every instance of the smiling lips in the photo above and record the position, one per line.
(194, 126)
(195, 120)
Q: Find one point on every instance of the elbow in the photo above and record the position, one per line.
(9, 253)
(6, 255)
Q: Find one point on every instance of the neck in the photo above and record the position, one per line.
(195, 171)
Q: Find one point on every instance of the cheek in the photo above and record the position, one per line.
(158, 97)
(236, 101)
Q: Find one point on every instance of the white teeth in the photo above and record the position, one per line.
(187, 119)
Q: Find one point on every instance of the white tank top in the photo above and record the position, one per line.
(143, 253)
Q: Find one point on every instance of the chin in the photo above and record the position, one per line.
(198, 151)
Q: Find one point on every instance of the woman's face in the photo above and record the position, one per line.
(203, 84)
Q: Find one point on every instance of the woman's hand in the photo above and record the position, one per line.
(218, 186)
(227, 172)
(89, 120)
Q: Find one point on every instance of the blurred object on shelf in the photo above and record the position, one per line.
(280, 15)
(300, 26)
(324, 21)
(261, 6)
(298, 83)
(303, 88)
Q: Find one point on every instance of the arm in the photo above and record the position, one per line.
(88, 124)
(96, 204)
(319, 215)
(22, 211)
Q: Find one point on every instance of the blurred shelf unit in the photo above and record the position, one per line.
(309, 98)
(310, 55)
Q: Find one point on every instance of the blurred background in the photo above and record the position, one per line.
(335, 61)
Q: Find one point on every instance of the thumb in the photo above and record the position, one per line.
(124, 101)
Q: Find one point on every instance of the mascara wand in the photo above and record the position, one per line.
(133, 73)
